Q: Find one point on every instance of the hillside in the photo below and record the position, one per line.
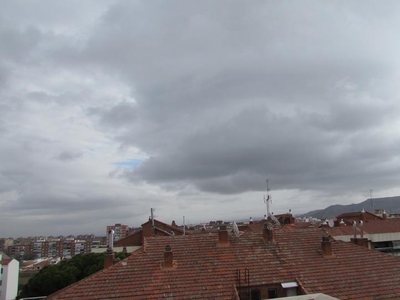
(390, 204)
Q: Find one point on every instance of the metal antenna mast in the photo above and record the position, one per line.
(268, 199)
(370, 199)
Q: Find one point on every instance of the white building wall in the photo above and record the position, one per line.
(129, 249)
(373, 237)
(383, 237)
(9, 287)
(1, 278)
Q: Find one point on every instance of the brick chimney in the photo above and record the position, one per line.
(223, 236)
(268, 234)
(360, 242)
(168, 257)
(362, 217)
(108, 258)
(326, 246)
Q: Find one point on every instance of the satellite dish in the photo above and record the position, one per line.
(270, 226)
(236, 230)
(276, 221)
(330, 223)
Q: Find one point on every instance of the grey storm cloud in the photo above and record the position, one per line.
(209, 99)
(16, 44)
(120, 115)
(259, 90)
(69, 155)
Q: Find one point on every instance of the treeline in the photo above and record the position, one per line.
(52, 278)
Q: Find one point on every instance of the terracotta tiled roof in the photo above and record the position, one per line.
(5, 261)
(358, 215)
(204, 270)
(385, 226)
(353, 272)
(371, 227)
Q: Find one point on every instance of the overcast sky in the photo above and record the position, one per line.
(109, 108)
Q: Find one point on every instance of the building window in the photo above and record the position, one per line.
(255, 294)
(272, 293)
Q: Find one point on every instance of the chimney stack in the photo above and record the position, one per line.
(384, 215)
(363, 215)
(268, 234)
(326, 246)
(223, 236)
(109, 256)
(361, 241)
(168, 257)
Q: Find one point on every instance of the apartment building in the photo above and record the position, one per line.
(8, 278)
(5, 243)
(120, 231)
(378, 232)
(17, 251)
(51, 248)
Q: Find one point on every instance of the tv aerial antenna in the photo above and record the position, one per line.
(267, 199)
(370, 198)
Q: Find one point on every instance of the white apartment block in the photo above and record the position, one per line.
(8, 278)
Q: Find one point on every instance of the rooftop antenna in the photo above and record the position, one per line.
(268, 199)
(184, 226)
(152, 216)
(370, 198)
(152, 220)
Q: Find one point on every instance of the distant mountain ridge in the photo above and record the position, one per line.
(389, 204)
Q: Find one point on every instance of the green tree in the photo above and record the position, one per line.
(55, 277)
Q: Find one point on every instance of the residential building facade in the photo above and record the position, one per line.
(120, 231)
(376, 232)
(8, 278)
(51, 248)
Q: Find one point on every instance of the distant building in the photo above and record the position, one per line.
(373, 231)
(5, 243)
(72, 247)
(120, 231)
(149, 228)
(50, 248)
(8, 278)
(18, 251)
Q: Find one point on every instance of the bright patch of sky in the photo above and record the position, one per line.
(129, 163)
